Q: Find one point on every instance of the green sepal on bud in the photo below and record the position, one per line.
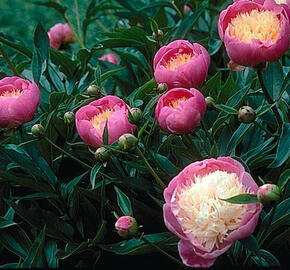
(127, 142)
(68, 118)
(161, 87)
(94, 91)
(210, 102)
(269, 194)
(37, 130)
(246, 114)
(102, 154)
(135, 115)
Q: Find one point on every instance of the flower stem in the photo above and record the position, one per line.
(153, 173)
(10, 64)
(268, 98)
(68, 154)
(161, 251)
(263, 128)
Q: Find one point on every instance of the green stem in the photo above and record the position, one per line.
(263, 128)
(68, 154)
(153, 173)
(162, 251)
(10, 64)
(268, 98)
(265, 232)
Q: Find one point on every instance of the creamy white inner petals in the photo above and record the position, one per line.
(262, 25)
(14, 94)
(203, 214)
(281, 1)
(101, 117)
(177, 60)
(173, 104)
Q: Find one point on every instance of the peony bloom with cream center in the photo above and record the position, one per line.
(254, 31)
(194, 210)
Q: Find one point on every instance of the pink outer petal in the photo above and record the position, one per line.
(190, 258)
(110, 57)
(250, 54)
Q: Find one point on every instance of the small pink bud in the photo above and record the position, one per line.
(246, 114)
(126, 226)
(269, 194)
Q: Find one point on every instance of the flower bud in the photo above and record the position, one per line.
(102, 154)
(126, 226)
(161, 87)
(158, 35)
(69, 117)
(37, 130)
(210, 102)
(246, 114)
(135, 115)
(93, 90)
(269, 194)
(127, 142)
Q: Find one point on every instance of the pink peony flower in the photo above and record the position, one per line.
(110, 57)
(181, 64)
(91, 120)
(179, 110)
(19, 99)
(206, 225)
(59, 35)
(254, 31)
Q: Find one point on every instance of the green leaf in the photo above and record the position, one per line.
(283, 151)
(284, 179)
(212, 86)
(124, 202)
(250, 243)
(50, 250)
(94, 172)
(16, 45)
(71, 249)
(165, 164)
(35, 252)
(36, 65)
(100, 233)
(266, 259)
(53, 5)
(41, 41)
(4, 223)
(55, 99)
(225, 108)
(106, 134)
(110, 73)
(242, 199)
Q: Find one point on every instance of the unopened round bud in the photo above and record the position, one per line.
(102, 154)
(161, 87)
(269, 194)
(126, 226)
(246, 114)
(37, 130)
(158, 35)
(127, 142)
(135, 115)
(93, 90)
(210, 102)
(68, 117)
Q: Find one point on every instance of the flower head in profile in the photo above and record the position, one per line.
(181, 64)
(19, 99)
(60, 35)
(194, 210)
(91, 120)
(254, 31)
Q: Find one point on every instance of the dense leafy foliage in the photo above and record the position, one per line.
(58, 205)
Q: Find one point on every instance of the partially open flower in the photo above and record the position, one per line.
(181, 64)
(19, 99)
(180, 110)
(126, 226)
(91, 120)
(206, 225)
(254, 32)
(60, 35)
(110, 57)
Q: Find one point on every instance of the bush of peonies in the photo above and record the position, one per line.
(179, 148)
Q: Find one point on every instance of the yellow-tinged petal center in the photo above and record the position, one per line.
(100, 118)
(177, 60)
(281, 1)
(14, 94)
(173, 104)
(203, 214)
(262, 25)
